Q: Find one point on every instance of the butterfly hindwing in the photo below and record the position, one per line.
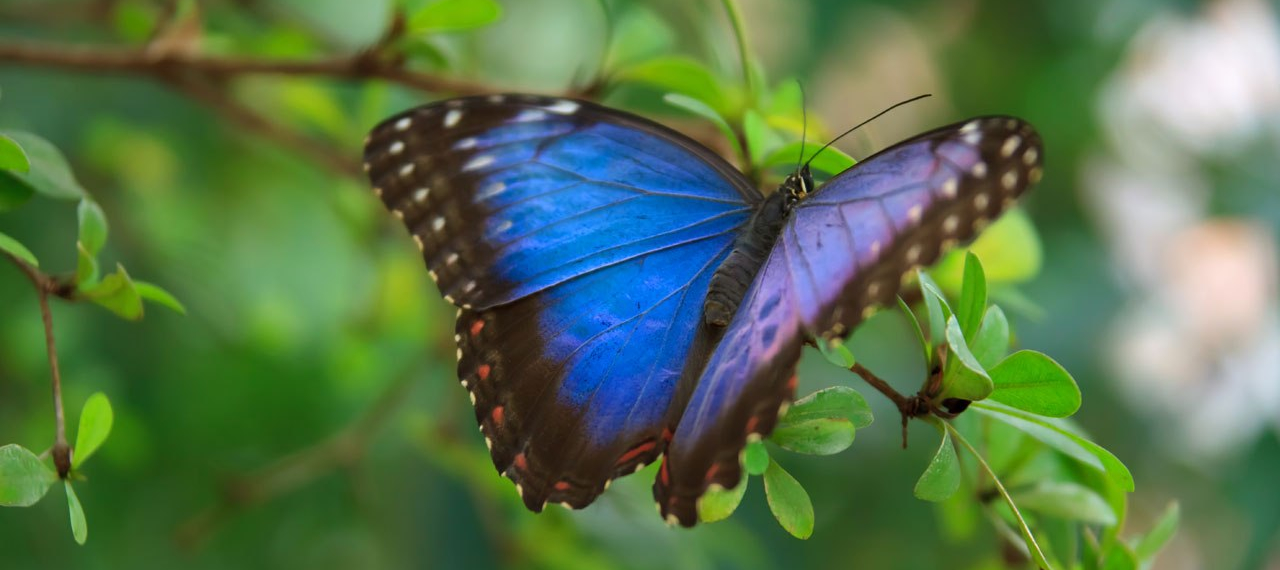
(578, 243)
(843, 251)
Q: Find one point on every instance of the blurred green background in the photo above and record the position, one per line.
(309, 308)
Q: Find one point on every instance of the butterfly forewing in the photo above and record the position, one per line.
(578, 243)
(843, 251)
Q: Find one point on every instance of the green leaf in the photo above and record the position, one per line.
(834, 402)
(1119, 557)
(24, 479)
(93, 226)
(936, 305)
(832, 160)
(639, 34)
(755, 458)
(788, 501)
(1146, 547)
(941, 478)
(50, 174)
(79, 526)
(12, 157)
(915, 325)
(697, 107)
(992, 341)
(836, 352)
(14, 191)
(973, 297)
(680, 75)
(156, 294)
(454, 16)
(825, 436)
(117, 293)
(1033, 382)
(1037, 555)
(760, 138)
(1065, 500)
(86, 268)
(963, 377)
(95, 425)
(13, 247)
(1051, 433)
(1009, 248)
(718, 503)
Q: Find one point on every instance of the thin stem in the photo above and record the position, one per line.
(1027, 537)
(880, 385)
(44, 286)
(740, 35)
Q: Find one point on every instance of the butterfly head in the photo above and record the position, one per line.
(798, 185)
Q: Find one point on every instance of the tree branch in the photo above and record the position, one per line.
(45, 286)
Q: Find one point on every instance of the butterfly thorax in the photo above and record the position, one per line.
(735, 274)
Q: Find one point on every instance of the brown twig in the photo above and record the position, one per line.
(908, 406)
(109, 59)
(46, 286)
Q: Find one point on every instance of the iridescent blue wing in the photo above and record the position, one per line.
(578, 243)
(843, 251)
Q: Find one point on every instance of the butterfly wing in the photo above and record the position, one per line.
(844, 251)
(578, 243)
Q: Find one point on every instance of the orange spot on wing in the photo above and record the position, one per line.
(751, 424)
(498, 415)
(636, 452)
(711, 473)
(791, 384)
(562, 485)
(521, 462)
(476, 327)
(483, 371)
(666, 477)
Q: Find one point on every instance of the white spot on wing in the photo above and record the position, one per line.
(563, 107)
(403, 124)
(452, 259)
(451, 118)
(420, 195)
(1010, 179)
(1010, 145)
(1029, 157)
(478, 161)
(530, 115)
(979, 169)
(504, 226)
(396, 147)
(950, 224)
(914, 213)
(464, 144)
(438, 223)
(913, 253)
(980, 201)
(969, 127)
(406, 169)
(950, 187)
(491, 190)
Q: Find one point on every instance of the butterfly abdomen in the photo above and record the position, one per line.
(735, 274)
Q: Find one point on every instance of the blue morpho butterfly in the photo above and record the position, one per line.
(624, 293)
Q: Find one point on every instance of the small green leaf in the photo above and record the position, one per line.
(682, 76)
(788, 501)
(638, 34)
(718, 504)
(117, 293)
(760, 138)
(1146, 547)
(963, 377)
(12, 156)
(755, 458)
(159, 296)
(79, 526)
(454, 16)
(93, 226)
(973, 297)
(86, 268)
(24, 479)
(1051, 433)
(1033, 382)
(836, 352)
(941, 478)
(936, 305)
(13, 247)
(701, 109)
(1119, 557)
(1065, 500)
(992, 341)
(834, 402)
(95, 425)
(14, 192)
(825, 436)
(832, 160)
(915, 325)
(49, 174)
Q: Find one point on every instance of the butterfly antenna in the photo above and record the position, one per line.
(804, 125)
(859, 125)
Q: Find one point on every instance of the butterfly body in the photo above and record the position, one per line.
(625, 294)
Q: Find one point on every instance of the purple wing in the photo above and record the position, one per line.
(844, 251)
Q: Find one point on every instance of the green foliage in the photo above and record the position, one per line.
(941, 478)
(719, 504)
(702, 109)
(12, 157)
(49, 173)
(1030, 381)
(963, 377)
(24, 479)
(93, 226)
(788, 501)
(13, 247)
(95, 424)
(454, 16)
(79, 526)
